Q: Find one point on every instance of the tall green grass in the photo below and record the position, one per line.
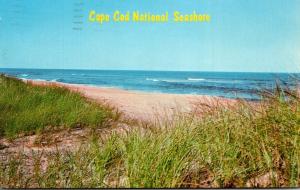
(26, 108)
(223, 147)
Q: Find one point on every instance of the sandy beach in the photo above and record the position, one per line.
(142, 105)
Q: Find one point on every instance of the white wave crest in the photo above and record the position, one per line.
(54, 80)
(196, 79)
(150, 79)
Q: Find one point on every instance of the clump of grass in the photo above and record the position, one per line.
(26, 108)
(225, 147)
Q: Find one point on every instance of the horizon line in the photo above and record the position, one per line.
(271, 72)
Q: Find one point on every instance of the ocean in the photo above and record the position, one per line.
(223, 84)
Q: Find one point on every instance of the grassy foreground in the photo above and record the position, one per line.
(27, 109)
(222, 148)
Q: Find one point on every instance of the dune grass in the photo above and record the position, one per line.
(25, 108)
(224, 147)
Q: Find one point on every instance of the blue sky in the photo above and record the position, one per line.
(243, 35)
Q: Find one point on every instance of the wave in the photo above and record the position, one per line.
(54, 80)
(151, 79)
(78, 74)
(43, 80)
(175, 80)
(166, 80)
(24, 75)
(196, 79)
(217, 80)
(193, 80)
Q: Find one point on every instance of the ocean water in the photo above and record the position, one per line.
(224, 84)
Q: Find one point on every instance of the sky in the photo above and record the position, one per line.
(242, 36)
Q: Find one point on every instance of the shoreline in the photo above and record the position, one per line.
(46, 82)
(144, 106)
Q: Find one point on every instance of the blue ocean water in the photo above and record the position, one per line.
(224, 84)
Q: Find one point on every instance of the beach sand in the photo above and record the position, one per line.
(142, 105)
